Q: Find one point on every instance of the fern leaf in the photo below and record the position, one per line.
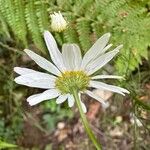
(10, 14)
(84, 32)
(80, 6)
(71, 35)
(32, 23)
(21, 29)
(42, 14)
(3, 26)
(65, 5)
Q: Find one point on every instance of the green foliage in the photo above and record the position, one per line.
(42, 14)
(54, 114)
(12, 12)
(20, 27)
(10, 113)
(6, 145)
(71, 35)
(33, 24)
(22, 24)
(4, 27)
(128, 22)
(83, 29)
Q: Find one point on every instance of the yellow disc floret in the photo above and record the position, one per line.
(72, 80)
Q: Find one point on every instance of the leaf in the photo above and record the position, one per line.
(142, 104)
(6, 145)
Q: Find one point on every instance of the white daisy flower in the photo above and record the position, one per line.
(58, 24)
(69, 70)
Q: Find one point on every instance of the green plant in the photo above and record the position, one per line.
(127, 20)
(10, 112)
(6, 145)
(54, 113)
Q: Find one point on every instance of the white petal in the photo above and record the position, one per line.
(38, 80)
(42, 84)
(82, 104)
(56, 56)
(77, 56)
(104, 86)
(83, 107)
(71, 56)
(46, 95)
(61, 98)
(107, 77)
(32, 97)
(70, 100)
(102, 52)
(106, 105)
(96, 97)
(101, 61)
(95, 50)
(42, 62)
(23, 71)
(68, 56)
(39, 75)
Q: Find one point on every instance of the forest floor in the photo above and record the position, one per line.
(115, 127)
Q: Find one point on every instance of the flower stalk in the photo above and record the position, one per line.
(85, 122)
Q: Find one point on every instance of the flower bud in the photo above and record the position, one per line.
(58, 23)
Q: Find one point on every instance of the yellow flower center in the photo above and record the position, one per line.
(72, 80)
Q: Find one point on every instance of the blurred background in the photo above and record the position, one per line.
(125, 124)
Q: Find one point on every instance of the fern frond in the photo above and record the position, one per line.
(2, 9)
(80, 6)
(84, 32)
(21, 29)
(112, 8)
(97, 28)
(133, 33)
(32, 23)
(92, 11)
(59, 37)
(128, 22)
(4, 26)
(9, 11)
(71, 35)
(64, 5)
(42, 14)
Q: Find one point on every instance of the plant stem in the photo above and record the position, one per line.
(85, 122)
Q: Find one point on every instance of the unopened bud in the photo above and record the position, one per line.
(58, 23)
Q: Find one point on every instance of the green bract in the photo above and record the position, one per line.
(70, 80)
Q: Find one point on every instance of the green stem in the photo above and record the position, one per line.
(85, 122)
